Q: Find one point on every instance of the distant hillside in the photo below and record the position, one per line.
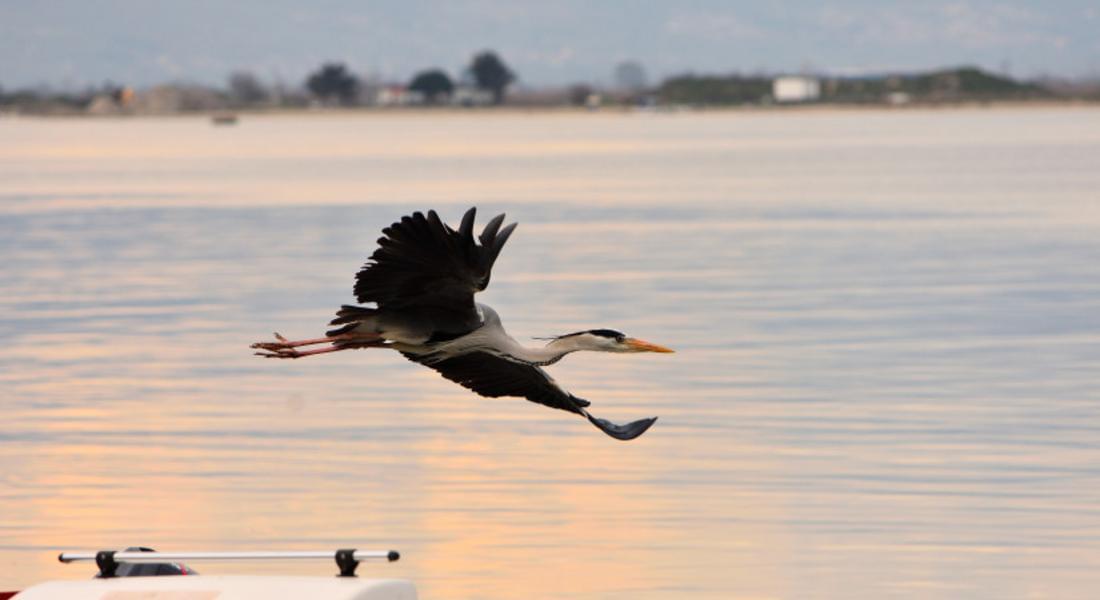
(965, 83)
(949, 85)
(714, 89)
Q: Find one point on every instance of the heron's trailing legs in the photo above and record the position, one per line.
(292, 353)
(285, 343)
(285, 348)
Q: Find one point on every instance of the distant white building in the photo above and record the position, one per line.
(897, 98)
(174, 98)
(796, 89)
(465, 95)
(397, 95)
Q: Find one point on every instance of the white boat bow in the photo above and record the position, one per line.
(142, 574)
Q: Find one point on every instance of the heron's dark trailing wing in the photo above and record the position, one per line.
(423, 263)
(492, 376)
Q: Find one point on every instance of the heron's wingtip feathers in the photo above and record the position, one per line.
(500, 239)
(436, 223)
(622, 432)
(490, 231)
(466, 229)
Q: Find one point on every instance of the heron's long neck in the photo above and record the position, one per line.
(550, 353)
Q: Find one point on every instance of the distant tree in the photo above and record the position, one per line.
(579, 94)
(630, 76)
(333, 82)
(245, 89)
(433, 84)
(491, 74)
(714, 89)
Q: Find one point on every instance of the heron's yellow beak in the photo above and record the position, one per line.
(637, 345)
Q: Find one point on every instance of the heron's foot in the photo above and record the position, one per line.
(292, 352)
(275, 351)
(281, 344)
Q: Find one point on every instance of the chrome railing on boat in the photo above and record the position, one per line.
(347, 560)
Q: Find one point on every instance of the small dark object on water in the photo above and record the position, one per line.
(223, 119)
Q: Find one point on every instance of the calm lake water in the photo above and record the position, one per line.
(886, 385)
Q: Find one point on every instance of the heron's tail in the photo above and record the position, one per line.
(353, 317)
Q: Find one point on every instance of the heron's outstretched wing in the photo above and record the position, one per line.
(493, 376)
(423, 263)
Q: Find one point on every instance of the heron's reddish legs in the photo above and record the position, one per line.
(292, 353)
(285, 343)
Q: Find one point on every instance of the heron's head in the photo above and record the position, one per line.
(608, 340)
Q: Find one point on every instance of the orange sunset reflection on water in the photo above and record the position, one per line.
(886, 324)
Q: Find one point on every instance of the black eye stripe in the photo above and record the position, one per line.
(607, 333)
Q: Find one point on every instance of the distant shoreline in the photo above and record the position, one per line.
(415, 111)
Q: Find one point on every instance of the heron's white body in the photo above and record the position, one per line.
(223, 587)
(492, 338)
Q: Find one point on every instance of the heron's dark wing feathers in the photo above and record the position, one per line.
(492, 376)
(422, 262)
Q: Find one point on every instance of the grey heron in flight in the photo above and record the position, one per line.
(422, 280)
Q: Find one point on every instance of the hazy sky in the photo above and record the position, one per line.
(73, 42)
